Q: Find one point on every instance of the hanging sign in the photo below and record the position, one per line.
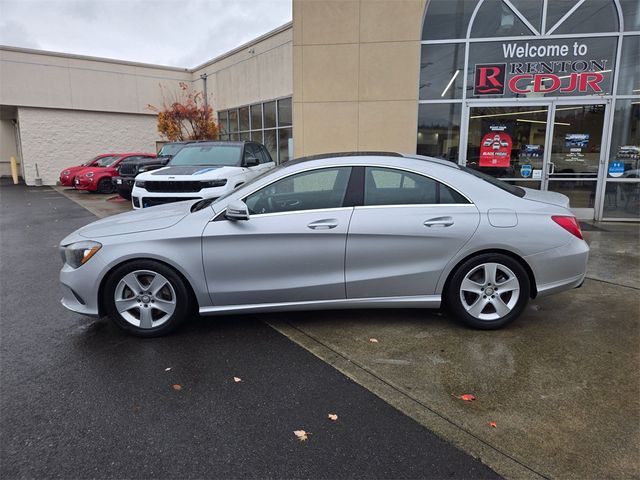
(495, 147)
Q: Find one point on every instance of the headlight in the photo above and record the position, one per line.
(66, 172)
(79, 253)
(89, 174)
(140, 183)
(221, 182)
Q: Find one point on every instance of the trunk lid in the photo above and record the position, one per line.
(552, 198)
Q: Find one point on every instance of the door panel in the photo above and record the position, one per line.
(401, 250)
(288, 257)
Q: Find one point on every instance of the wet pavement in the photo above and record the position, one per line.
(80, 399)
(561, 383)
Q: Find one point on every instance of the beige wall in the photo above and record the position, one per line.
(355, 72)
(55, 138)
(7, 146)
(257, 71)
(48, 80)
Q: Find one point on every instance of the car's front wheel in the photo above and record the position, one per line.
(105, 185)
(146, 298)
(488, 291)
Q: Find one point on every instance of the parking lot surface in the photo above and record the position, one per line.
(80, 399)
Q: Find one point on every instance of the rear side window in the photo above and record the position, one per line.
(387, 186)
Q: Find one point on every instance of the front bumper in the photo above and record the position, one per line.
(80, 287)
(85, 183)
(124, 185)
(141, 198)
(66, 181)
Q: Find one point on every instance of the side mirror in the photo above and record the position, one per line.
(237, 210)
(251, 162)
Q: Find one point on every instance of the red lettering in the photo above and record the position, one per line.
(513, 83)
(492, 78)
(573, 82)
(591, 79)
(539, 86)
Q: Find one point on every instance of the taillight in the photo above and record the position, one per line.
(570, 224)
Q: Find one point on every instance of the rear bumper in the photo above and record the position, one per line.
(561, 268)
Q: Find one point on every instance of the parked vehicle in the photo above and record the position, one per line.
(201, 170)
(68, 175)
(98, 177)
(332, 231)
(131, 167)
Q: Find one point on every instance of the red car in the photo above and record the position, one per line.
(97, 178)
(68, 175)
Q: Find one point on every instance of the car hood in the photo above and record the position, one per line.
(154, 218)
(552, 198)
(189, 172)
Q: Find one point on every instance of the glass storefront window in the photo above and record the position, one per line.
(582, 193)
(537, 68)
(269, 114)
(284, 134)
(441, 71)
(447, 19)
(244, 118)
(592, 16)
(629, 73)
(496, 19)
(223, 121)
(531, 10)
(439, 130)
(256, 135)
(284, 112)
(270, 142)
(625, 140)
(622, 200)
(631, 14)
(507, 142)
(256, 117)
(233, 120)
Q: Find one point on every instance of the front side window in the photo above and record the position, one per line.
(318, 189)
(387, 186)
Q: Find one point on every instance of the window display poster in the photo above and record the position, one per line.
(495, 148)
(576, 140)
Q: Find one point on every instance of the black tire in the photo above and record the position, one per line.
(126, 194)
(178, 294)
(105, 185)
(477, 267)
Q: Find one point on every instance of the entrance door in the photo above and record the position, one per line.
(550, 146)
(575, 154)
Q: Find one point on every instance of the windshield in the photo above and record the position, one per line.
(507, 187)
(208, 201)
(170, 149)
(106, 161)
(208, 155)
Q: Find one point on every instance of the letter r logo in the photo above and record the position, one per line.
(489, 79)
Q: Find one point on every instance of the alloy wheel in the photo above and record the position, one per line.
(145, 299)
(489, 291)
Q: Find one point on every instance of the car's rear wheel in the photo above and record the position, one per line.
(146, 298)
(105, 185)
(488, 291)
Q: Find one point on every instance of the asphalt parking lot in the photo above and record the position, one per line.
(80, 399)
(562, 383)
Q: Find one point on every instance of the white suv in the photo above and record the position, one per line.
(201, 170)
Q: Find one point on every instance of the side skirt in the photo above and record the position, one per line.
(425, 301)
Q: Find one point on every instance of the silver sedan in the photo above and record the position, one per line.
(331, 232)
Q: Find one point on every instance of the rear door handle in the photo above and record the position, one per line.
(439, 222)
(325, 224)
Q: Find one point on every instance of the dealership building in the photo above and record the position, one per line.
(540, 93)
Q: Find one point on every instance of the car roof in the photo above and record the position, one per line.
(439, 161)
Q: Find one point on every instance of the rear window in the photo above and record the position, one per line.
(507, 187)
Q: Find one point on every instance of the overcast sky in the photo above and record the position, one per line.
(181, 33)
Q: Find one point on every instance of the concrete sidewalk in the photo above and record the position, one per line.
(562, 382)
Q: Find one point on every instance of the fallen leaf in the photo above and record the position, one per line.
(136, 408)
(302, 435)
(167, 369)
(332, 416)
(177, 387)
(373, 340)
(467, 397)
(237, 379)
(493, 424)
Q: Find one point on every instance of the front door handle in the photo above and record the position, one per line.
(325, 224)
(439, 222)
